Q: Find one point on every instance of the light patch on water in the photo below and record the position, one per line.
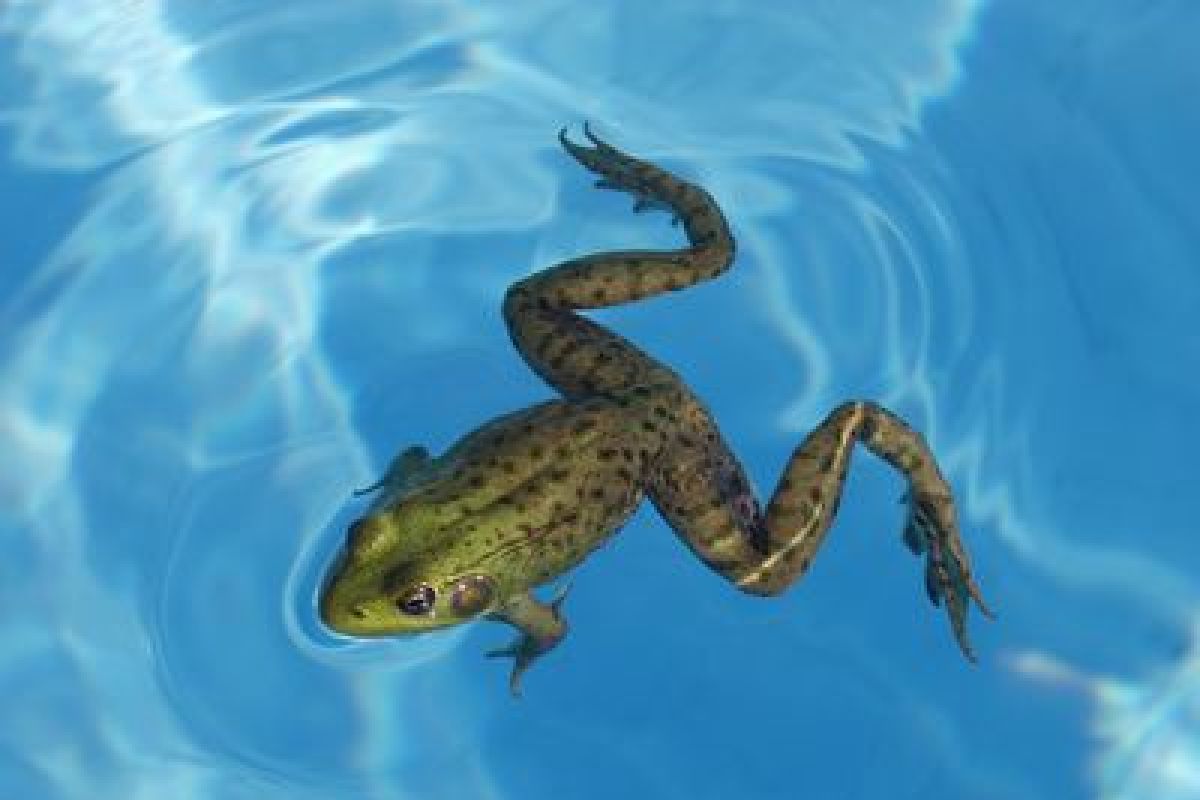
(1147, 731)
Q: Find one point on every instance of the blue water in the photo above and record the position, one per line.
(253, 248)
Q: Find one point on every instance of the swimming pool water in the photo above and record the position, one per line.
(252, 249)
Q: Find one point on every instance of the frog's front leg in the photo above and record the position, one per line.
(403, 470)
(541, 627)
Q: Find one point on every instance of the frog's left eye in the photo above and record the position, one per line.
(417, 602)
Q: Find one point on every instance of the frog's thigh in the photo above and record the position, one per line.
(714, 530)
(702, 492)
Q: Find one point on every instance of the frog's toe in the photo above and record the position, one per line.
(617, 170)
(944, 586)
(947, 578)
(646, 203)
(599, 143)
(521, 661)
(374, 487)
(523, 650)
(560, 595)
(598, 158)
(914, 538)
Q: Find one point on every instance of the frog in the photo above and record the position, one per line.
(523, 499)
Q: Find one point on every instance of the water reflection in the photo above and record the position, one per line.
(1148, 730)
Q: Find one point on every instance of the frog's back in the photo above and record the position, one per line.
(529, 495)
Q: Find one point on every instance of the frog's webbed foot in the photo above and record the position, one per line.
(620, 172)
(541, 627)
(405, 468)
(947, 576)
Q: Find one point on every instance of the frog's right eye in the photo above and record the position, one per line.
(417, 602)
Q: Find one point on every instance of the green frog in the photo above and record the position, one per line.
(526, 497)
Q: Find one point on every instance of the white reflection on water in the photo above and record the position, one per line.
(1149, 730)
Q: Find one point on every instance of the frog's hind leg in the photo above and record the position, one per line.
(806, 500)
(714, 510)
(577, 356)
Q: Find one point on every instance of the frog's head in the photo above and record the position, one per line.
(389, 580)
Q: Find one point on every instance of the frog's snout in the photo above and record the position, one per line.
(341, 613)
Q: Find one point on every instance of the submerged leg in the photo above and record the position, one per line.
(766, 553)
(541, 627)
(580, 357)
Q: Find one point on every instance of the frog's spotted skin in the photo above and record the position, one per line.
(528, 496)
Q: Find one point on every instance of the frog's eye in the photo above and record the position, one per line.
(417, 602)
(472, 594)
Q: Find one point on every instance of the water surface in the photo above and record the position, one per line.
(255, 248)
